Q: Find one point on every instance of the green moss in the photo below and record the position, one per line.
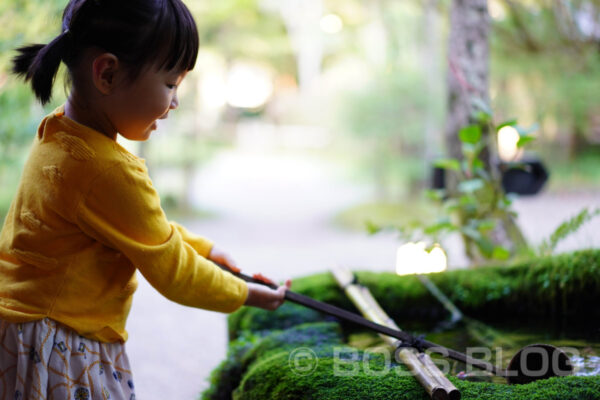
(567, 388)
(261, 321)
(312, 335)
(559, 287)
(323, 287)
(227, 376)
(319, 286)
(248, 349)
(272, 374)
(258, 365)
(273, 377)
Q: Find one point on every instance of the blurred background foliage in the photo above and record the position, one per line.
(362, 81)
(545, 69)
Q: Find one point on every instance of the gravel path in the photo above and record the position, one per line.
(274, 217)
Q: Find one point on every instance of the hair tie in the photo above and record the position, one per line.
(66, 41)
(67, 36)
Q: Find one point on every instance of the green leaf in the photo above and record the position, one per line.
(448, 163)
(523, 140)
(482, 117)
(450, 206)
(470, 134)
(435, 194)
(468, 204)
(567, 228)
(511, 122)
(485, 246)
(472, 150)
(372, 228)
(500, 253)
(471, 233)
(486, 225)
(467, 200)
(504, 203)
(478, 164)
(443, 224)
(471, 185)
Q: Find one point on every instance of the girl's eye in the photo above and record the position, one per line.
(171, 86)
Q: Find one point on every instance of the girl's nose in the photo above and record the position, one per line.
(174, 102)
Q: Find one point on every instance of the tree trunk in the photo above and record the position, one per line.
(468, 92)
(468, 66)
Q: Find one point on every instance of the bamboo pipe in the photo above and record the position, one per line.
(455, 314)
(434, 382)
(476, 329)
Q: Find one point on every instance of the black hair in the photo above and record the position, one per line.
(138, 32)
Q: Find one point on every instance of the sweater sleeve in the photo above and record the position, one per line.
(122, 210)
(201, 244)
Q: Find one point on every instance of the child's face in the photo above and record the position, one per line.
(136, 106)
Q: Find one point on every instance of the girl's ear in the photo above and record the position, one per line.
(104, 72)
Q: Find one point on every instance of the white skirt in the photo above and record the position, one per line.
(46, 360)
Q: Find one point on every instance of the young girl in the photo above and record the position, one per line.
(86, 215)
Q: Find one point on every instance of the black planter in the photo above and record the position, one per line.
(525, 177)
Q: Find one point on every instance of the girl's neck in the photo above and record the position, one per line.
(81, 112)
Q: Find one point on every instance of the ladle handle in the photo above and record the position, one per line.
(359, 320)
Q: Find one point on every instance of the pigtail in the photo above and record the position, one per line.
(39, 63)
(24, 59)
(140, 33)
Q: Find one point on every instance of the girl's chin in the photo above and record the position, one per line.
(139, 136)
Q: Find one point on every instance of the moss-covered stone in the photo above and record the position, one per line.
(258, 364)
(261, 322)
(227, 376)
(248, 349)
(559, 288)
(272, 378)
(271, 375)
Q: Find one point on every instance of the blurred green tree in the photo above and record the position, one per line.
(22, 22)
(546, 63)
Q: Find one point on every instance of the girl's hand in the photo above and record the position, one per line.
(258, 295)
(264, 297)
(220, 257)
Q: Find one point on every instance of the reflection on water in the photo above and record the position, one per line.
(586, 365)
(498, 345)
(581, 346)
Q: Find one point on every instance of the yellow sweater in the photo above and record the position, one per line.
(84, 218)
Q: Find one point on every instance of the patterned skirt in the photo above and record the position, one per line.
(46, 360)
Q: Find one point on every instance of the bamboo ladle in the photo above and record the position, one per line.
(531, 363)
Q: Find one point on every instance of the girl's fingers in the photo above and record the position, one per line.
(231, 262)
(265, 297)
(283, 288)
